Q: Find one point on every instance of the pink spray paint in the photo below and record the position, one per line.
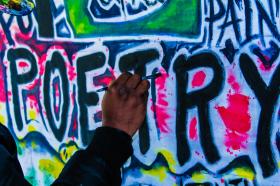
(2, 86)
(161, 103)
(198, 79)
(193, 129)
(236, 117)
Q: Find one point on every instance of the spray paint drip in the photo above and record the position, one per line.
(16, 7)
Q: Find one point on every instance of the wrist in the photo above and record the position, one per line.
(112, 144)
(116, 125)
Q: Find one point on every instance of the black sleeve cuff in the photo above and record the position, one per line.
(111, 144)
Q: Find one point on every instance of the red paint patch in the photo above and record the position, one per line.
(198, 79)
(23, 64)
(106, 80)
(236, 117)
(193, 129)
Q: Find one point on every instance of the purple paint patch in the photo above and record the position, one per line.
(98, 117)
(104, 79)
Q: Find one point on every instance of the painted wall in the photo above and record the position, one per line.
(213, 117)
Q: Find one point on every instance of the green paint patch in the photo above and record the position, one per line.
(175, 17)
(30, 176)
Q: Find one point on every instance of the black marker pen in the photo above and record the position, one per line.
(153, 76)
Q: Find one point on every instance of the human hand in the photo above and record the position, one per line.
(125, 102)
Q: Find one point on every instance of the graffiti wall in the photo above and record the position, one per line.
(213, 116)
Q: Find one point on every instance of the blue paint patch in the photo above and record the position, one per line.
(278, 140)
(62, 29)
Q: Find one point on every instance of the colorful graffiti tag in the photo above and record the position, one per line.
(212, 116)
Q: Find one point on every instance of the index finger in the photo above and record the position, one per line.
(143, 87)
(120, 80)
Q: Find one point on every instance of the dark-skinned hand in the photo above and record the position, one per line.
(125, 102)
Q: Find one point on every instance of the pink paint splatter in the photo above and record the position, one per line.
(35, 83)
(74, 56)
(233, 140)
(262, 66)
(33, 102)
(193, 129)
(113, 72)
(2, 86)
(57, 94)
(198, 79)
(233, 83)
(161, 103)
(71, 71)
(4, 41)
(41, 63)
(75, 125)
(72, 96)
(236, 117)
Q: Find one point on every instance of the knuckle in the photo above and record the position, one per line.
(126, 74)
(137, 76)
(113, 89)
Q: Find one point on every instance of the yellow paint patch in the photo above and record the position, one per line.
(33, 144)
(67, 152)
(32, 114)
(22, 144)
(198, 177)
(52, 167)
(245, 173)
(170, 159)
(2, 119)
(159, 172)
(279, 164)
(31, 128)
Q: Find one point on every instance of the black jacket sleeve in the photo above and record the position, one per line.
(100, 163)
(10, 169)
